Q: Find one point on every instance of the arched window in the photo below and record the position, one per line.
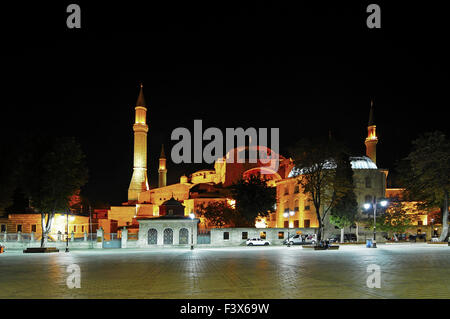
(184, 236)
(168, 236)
(152, 236)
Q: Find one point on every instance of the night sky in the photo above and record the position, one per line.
(305, 69)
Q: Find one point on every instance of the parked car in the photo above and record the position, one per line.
(334, 239)
(257, 242)
(348, 238)
(300, 240)
(422, 237)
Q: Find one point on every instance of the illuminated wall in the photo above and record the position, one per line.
(77, 224)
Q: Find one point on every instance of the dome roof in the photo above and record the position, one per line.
(357, 162)
(362, 162)
(172, 202)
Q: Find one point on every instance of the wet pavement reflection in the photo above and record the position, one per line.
(415, 271)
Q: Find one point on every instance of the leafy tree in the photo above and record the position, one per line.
(313, 160)
(253, 198)
(396, 218)
(53, 169)
(345, 209)
(217, 214)
(425, 173)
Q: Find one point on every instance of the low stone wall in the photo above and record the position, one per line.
(238, 236)
(59, 245)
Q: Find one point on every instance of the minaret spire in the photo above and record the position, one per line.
(141, 100)
(162, 171)
(371, 115)
(139, 180)
(371, 139)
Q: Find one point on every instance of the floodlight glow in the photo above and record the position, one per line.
(384, 203)
(191, 215)
(366, 206)
(285, 214)
(291, 213)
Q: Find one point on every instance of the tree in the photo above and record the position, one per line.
(253, 198)
(345, 209)
(217, 214)
(53, 169)
(314, 164)
(425, 174)
(396, 218)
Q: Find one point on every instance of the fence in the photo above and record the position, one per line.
(34, 237)
(133, 236)
(111, 236)
(204, 236)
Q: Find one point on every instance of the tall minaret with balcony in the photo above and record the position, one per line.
(371, 139)
(162, 171)
(139, 181)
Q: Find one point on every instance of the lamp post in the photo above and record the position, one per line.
(374, 203)
(192, 216)
(288, 216)
(67, 232)
(432, 229)
(90, 227)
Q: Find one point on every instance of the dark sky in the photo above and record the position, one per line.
(303, 68)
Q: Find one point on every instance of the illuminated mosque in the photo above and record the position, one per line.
(209, 185)
(153, 212)
(199, 188)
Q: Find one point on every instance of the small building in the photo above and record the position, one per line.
(170, 228)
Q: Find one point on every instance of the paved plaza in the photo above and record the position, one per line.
(407, 271)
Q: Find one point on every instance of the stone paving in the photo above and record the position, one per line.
(407, 271)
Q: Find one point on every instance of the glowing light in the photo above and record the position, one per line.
(71, 218)
(191, 215)
(261, 223)
(384, 203)
(231, 202)
(367, 206)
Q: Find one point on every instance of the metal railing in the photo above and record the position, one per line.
(26, 237)
(133, 236)
(111, 236)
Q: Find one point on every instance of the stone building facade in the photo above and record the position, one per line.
(369, 181)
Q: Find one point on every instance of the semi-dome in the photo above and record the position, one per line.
(357, 162)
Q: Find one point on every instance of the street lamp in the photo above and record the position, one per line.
(67, 232)
(383, 203)
(192, 216)
(288, 216)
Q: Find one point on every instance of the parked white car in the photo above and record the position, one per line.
(301, 240)
(257, 242)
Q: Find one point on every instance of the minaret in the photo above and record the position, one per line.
(371, 139)
(162, 169)
(139, 181)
